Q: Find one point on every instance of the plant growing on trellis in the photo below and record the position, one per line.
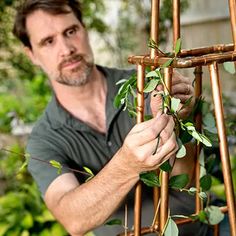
(185, 131)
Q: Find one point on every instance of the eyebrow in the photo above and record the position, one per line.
(41, 42)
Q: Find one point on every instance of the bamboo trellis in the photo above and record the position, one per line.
(192, 58)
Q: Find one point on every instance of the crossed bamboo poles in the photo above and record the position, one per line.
(197, 58)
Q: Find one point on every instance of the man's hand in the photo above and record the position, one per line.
(138, 150)
(181, 88)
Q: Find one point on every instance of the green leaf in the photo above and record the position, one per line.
(57, 165)
(178, 46)
(150, 179)
(152, 74)
(3, 228)
(205, 182)
(168, 63)
(209, 120)
(202, 195)
(166, 166)
(179, 181)
(202, 216)
(114, 222)
(175, 104)
(192, 190)
(88, 170)
(25, 163)
(171, 228)
(27, 221)
(205, 141)
(230, 67)
(182, 150)
(197, 136)
(151, 85)
(152, 44)
(214, 215)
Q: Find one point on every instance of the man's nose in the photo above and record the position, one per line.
(66, 48)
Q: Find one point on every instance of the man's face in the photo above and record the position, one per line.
(60, 46)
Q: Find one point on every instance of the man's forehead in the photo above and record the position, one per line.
(41, 22)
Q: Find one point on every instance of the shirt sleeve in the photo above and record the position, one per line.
(41, 152)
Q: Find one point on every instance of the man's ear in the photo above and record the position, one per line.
(29, 53)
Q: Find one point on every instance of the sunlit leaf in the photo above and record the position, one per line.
(171, 228)
(182, 150)
(206, 141)
(175, 102)
(152, 74)
(214, 215)
(179, 181)
(57, 165)
(151, 85)
(150, 179)
(27, 221)
(88, 170)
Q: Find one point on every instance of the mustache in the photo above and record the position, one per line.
(70, 59)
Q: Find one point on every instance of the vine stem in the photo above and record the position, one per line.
(46, 162)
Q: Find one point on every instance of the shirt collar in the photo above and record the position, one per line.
(59, 117)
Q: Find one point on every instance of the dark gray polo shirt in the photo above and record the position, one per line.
(61, 137)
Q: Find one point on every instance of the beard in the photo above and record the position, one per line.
(77, 76)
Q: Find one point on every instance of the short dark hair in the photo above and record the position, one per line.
(53, 7)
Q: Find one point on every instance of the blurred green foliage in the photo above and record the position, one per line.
(22, 211)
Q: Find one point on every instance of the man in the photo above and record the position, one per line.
(80, 127)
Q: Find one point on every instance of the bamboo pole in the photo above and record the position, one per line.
(219, 114)
(140, 118)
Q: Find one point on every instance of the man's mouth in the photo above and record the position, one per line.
(71, 63)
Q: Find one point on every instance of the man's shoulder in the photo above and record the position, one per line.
(117, 73)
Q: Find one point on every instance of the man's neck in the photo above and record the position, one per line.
(86, 102)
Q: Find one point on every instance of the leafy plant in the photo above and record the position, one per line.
(185, 130)
(22, 211)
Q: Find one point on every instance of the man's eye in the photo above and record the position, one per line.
(48, 42)
(71, 32)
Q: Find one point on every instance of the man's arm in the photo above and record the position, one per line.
(81, 208)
